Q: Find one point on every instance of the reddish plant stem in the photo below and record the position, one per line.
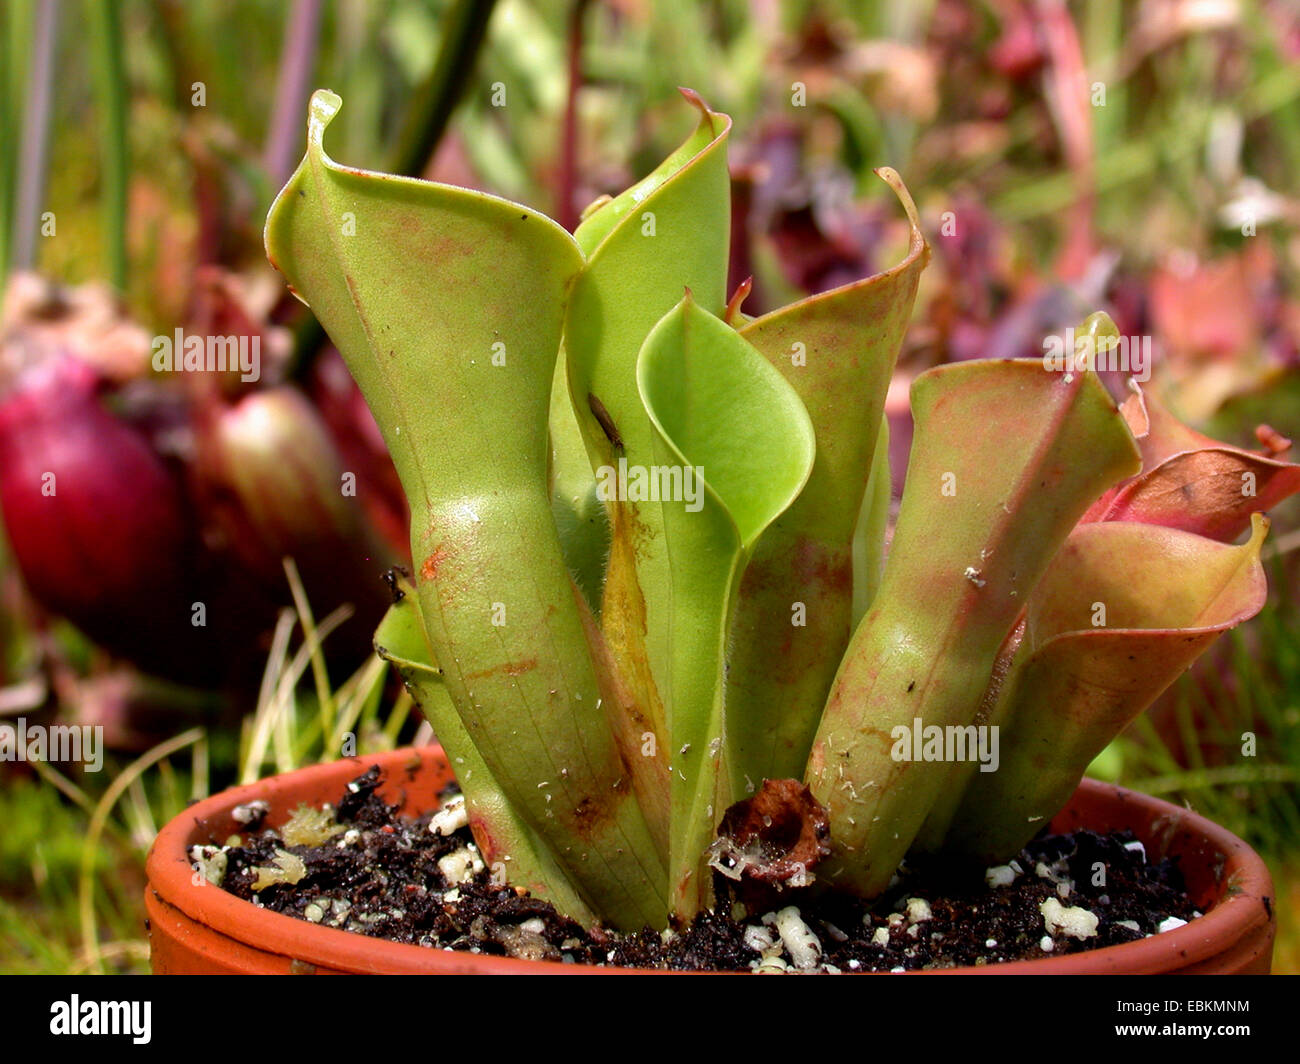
(567, 178)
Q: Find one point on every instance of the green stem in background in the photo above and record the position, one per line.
(33, 149)
(17, 31)
(168, 21)
(1007, 457)
(440, 299)
(107, 50)
(465, 27)
(1103, 44)
(427, 116)
(742, 446)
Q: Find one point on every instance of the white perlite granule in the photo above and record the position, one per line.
(1072, 920)
(451, 817)
(770, 964)
(244, 814)
(1137, 847)
(1000, 876)
(461, 866)
(918, 909)
(803, 947)
(758, 938)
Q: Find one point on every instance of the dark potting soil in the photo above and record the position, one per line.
(361, 867)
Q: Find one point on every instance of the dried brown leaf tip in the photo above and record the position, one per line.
(774, 838)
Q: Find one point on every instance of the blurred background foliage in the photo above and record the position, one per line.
(1132, 155)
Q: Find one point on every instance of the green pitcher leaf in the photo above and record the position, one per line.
(583, 527)
(1006, 458)
(795, 610)
(1123, 610)
(873, 524)
(507, 844)
(579, 516)
(448, 306)
(733, 447)
(668, 232)
(597, 225)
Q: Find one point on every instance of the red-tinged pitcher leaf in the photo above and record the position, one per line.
(1192, 482)
(837, 350)
(1212, 492)
(1121, 613)
(1007, 457)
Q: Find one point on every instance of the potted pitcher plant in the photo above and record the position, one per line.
(650, 586)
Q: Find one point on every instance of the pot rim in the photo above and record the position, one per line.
(1243, 912)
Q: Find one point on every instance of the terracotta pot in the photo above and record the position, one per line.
(202, 929)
